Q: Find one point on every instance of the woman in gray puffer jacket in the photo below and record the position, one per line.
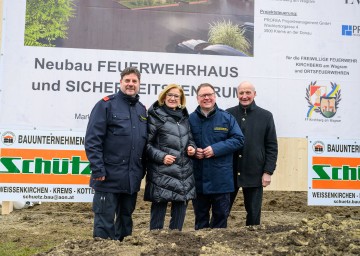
(169, 175)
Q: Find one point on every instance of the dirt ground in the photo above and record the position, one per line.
(289, 227)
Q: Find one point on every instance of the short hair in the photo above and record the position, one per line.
(163, 93)
(252, 87)
(130, 70)
(204, 85)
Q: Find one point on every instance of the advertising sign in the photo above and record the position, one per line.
(302, 56)
(334, 172)
(43, 166)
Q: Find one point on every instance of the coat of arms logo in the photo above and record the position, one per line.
(322, 102)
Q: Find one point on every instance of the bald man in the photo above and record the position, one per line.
(256, 161)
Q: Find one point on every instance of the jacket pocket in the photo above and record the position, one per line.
(120, 124)
(220, 132)
(115, 159)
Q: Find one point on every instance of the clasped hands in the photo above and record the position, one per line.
(169, 159)
(204, 153)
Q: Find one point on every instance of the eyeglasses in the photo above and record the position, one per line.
(170, 95)
(209, 95)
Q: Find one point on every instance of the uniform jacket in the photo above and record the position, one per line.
(167, 136)
(260, 151)
(115, 143)
(220, 131)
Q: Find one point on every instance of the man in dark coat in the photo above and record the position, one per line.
(256, 161)
(115, 144)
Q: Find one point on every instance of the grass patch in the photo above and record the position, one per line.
(14, 249)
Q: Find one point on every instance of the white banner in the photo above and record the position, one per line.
(334, 172)
(303, 59)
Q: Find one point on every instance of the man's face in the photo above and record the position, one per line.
(246, 94)
(130, 84)
(206, 98)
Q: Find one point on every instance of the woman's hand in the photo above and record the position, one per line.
(191, 151)
(169, 159)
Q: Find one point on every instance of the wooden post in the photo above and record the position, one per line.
(7, 207)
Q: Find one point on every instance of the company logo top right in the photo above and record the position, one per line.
(350, 30)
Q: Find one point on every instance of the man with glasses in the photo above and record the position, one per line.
(217, 136)
(115, 145)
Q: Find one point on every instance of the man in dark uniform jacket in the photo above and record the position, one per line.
(256, 161)
(115, 144)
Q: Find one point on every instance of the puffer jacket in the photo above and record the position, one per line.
(166, 136)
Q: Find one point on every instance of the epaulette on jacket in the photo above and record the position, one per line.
(107, 98)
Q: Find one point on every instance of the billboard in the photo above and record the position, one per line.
(44, 166)
(295, 57)
(58, 58)
(334, 172)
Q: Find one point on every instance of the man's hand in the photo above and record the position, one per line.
(266, 180)
(208, 152)
(102, 178)
(199, 153)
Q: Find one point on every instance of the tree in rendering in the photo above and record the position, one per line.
(222, 32)
(46, 21)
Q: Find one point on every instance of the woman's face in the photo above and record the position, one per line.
(173, 98)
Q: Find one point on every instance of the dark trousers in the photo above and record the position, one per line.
(252, 202)
(158, 212)
(113, 215)
(220, 206)
(233, 197)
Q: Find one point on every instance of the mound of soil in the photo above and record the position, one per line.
(289, 227)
